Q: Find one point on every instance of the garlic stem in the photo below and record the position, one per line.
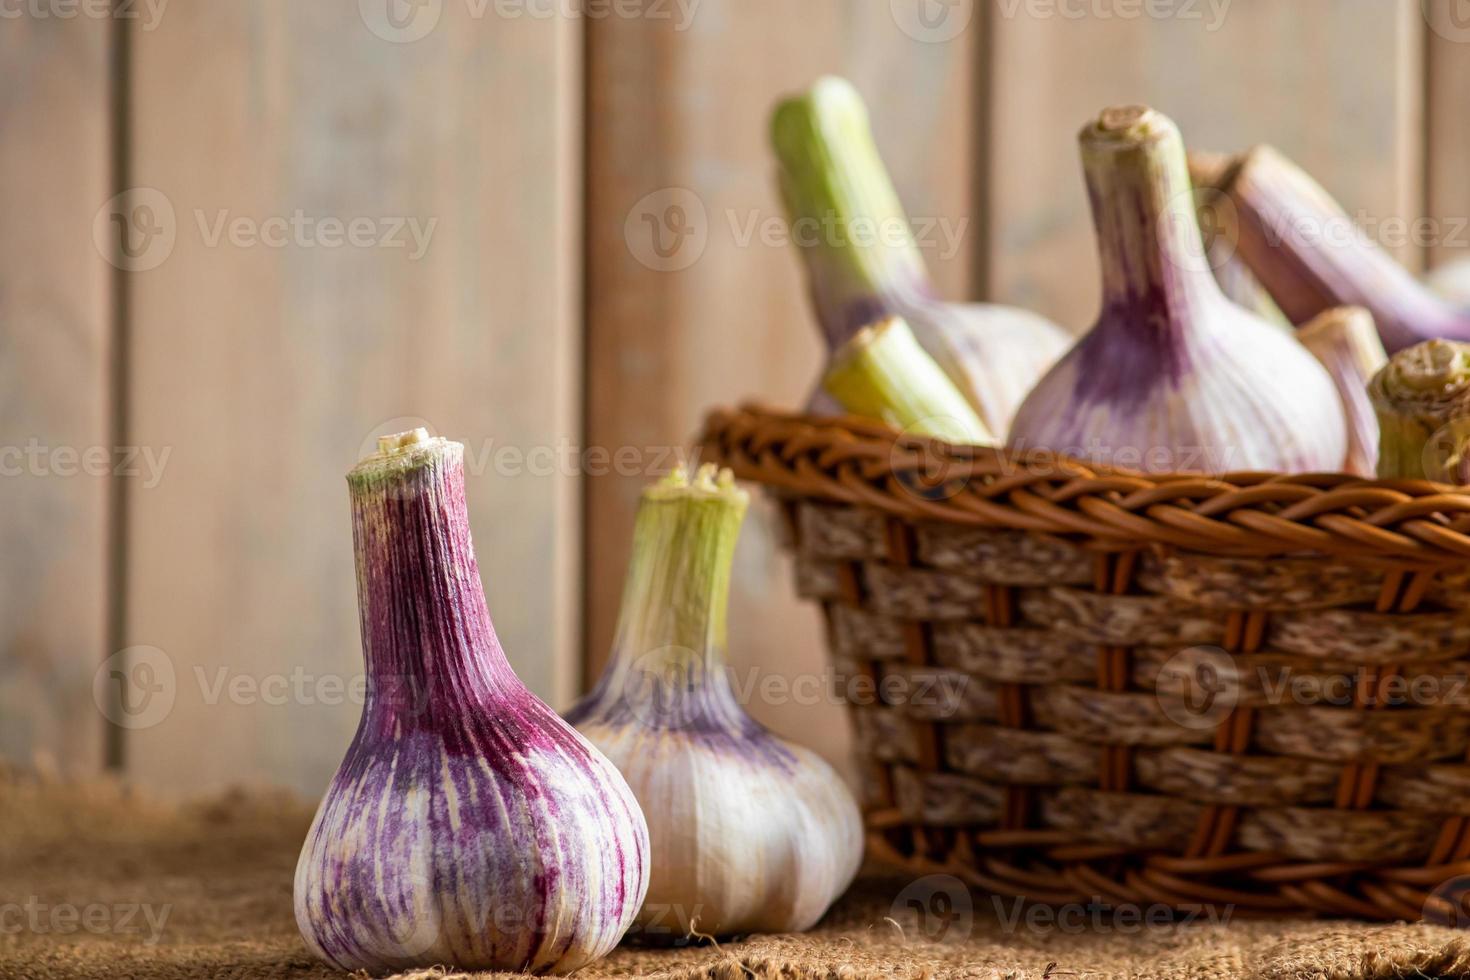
(862, 260)
(882, 373)
(1311, 255)
(1153, 259)
(1346, 343)
(1422, 397)
(417, 577)
(672, 622)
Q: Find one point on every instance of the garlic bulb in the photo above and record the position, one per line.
(468, 824)
(1451, 281)
(1311, 256)
(882, 373)
(1422, 397)
(1173, 377)
(748, 833)
(863, 263)
(1346, 343)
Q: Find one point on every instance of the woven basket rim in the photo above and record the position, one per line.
(1403, 524)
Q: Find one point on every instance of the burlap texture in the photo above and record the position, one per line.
(209, 889)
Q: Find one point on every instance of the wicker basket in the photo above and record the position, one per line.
(1246, 692)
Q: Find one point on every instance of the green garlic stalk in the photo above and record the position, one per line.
(1422, 398)
(882, 373)
(863, 262)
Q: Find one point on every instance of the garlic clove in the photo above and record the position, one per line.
(468, 825)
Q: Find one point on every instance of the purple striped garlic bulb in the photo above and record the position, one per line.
(468, 825)
(748, 833)
(1174, 377)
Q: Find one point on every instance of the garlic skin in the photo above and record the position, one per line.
(864, 265)
(882, 373)
(468, 825)
(1345, 342)
(1422, 397)
(748, 833)
(1173, 377)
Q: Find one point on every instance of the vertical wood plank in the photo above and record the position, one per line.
(267, 358)
(55, 398)
(1335, 84)
(1448, 128)
(678, 118)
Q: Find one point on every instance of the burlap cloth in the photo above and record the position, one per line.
(96, 881)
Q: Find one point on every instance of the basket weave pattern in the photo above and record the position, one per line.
(1087, 684)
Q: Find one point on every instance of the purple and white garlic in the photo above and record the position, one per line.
(1174, 377)
(748, 833)
(468, 825)
(863, 262)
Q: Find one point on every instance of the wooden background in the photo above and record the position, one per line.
(540, 138)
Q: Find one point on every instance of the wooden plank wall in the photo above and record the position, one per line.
(55, 387)
(538, 149)
(268, 370)
(1447, 134)
(1297, 75)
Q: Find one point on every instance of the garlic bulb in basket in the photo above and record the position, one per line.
(1310, 255)
(748, 833)
(863, 263)
(1422, 397)
(1173, 377)
(468, 825)
(1346, 343)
